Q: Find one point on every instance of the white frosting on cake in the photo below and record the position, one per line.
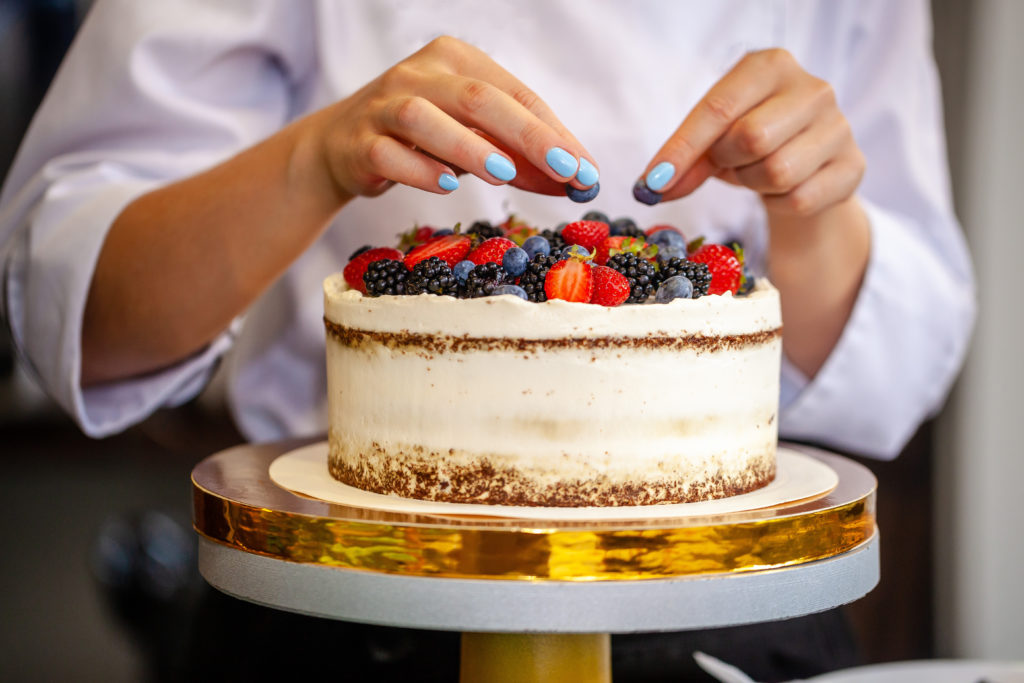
(658, 397)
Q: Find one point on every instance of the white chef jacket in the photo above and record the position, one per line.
(154, 91)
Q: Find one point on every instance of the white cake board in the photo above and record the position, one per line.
(798, 477)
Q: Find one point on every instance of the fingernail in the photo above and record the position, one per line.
(643, 194)
(588, 175)
(448, 182)
(500, 167)
(660, 175)
(561, 162)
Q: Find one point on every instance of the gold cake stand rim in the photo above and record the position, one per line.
(236, 504)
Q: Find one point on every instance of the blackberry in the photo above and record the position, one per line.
(482, 280)
(532, 281)
(386, 276)
(553, 238)
(626, 227)
(482, 230)
(696, 273)
(360, 250)
(642, 276)
(431, 276)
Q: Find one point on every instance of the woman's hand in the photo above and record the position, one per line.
(445, 110)
(770, 126)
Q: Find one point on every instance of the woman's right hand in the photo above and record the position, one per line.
(445, 110)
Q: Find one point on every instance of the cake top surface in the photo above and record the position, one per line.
(511, 316)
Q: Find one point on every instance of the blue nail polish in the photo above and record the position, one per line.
(448, 182)
(561, 162)
(588, 174)
(660, 175)
(500, 167)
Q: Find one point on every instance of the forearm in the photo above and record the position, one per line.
(817, 263)
(181, 262)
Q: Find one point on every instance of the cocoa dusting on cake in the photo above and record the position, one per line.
(441, 343)
(420, 477)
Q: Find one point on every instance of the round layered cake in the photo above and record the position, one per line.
(504, 401)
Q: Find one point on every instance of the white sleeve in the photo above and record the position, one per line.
(149, 93)
(908, 333)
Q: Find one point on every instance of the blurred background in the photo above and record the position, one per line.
(99, 563)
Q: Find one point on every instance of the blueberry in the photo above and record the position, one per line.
(670, 252)
(461, 270)
(536, 245)
(576, 250)
(667, 238)
(443, 231)
(644, 194)
(582, 196)
(515, 290)
(595, 216)
(676, 287)
(622, 226)
(514, 261)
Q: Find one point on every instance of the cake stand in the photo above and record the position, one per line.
(535, 600)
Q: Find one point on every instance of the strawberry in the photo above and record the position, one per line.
(725, 268)
(491, 250)
(357, 265)
(587, 234)
(571, 280)
(415, 236)
(449, 248)
(623, 243)
(611, 288)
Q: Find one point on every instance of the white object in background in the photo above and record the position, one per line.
(932, 671)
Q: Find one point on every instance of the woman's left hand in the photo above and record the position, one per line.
(767, 125)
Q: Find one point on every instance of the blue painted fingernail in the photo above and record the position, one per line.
(500, 167)
(448, 182)
(561, 162)
(588, 175)
(660, 175)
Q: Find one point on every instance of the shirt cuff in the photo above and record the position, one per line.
(897, 356)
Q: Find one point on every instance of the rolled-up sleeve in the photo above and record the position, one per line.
(149, 93)
(907, 336)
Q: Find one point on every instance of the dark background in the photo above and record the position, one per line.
(72, 506)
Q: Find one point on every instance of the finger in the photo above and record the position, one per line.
(833, 183)
(474, 63)
(749, 83)
(386, 159)
(768, 126)
(798, 159)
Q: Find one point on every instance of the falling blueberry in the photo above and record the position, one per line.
(461, 270)
(676, 287)
(644, 194)
(536, 245)
(582, 196)
(514, 261)
(515, 290)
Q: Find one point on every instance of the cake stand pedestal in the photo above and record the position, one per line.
(535, 600)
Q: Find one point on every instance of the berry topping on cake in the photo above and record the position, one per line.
(514, 290)
(431, 276)
(571, 280)
(588, 234)
(449, 248)
(482, 230)
(666, 236)
(536, 244)
(532, 281)
(640, 273)
(622, 244)
(462, 269)
(725, 268)
(414, 237)
(554, 238)
(625, 227)
(595, 216)
(675, 287)
(611, 288)
(696, 273)
(362, 258)
(514, 261)
(482, 280)
(386, 276)
(491, 250)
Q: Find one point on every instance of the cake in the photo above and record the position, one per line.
(501, 400)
